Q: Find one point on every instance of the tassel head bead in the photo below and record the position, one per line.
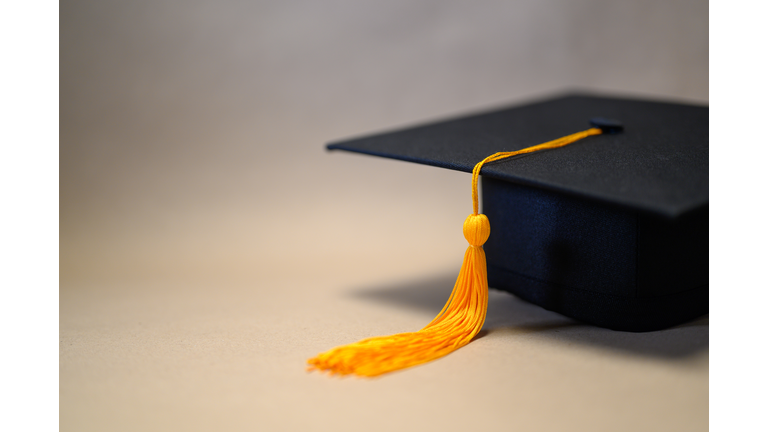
(477, 228)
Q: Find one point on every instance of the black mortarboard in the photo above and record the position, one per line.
(611, 230)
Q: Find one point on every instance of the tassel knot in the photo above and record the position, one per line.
(477, 228)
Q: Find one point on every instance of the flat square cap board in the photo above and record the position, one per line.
(611, 230)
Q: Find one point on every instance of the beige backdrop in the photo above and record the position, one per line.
(209, 244)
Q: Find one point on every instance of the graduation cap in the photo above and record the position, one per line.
(607, 225)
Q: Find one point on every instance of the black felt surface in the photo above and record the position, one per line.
(613, 267)
(659, 164)
(558, 239)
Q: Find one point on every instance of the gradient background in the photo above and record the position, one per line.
(209, 244)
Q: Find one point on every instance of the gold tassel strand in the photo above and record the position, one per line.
(460, 320)
(462, 316)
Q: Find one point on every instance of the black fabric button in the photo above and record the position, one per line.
(609, 126)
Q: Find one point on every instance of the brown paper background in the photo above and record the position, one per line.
(209, 244)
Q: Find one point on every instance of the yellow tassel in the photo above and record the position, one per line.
(462, 316)
(459, 321)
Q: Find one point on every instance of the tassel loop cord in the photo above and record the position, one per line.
(560, 142)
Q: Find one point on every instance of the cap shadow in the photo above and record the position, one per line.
(510, 315)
